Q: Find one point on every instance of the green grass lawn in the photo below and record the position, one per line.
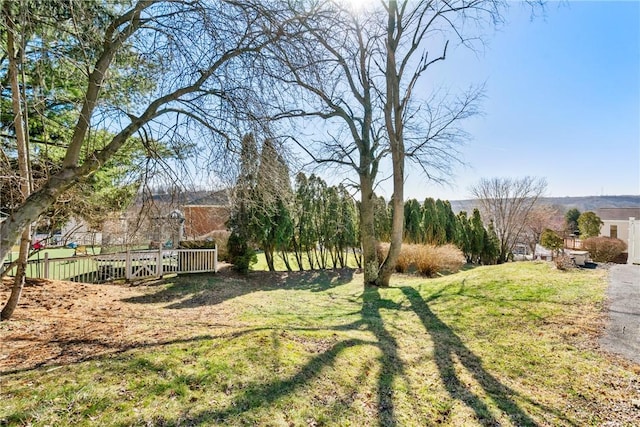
(497, 345)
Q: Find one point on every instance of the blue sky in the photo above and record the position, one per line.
(562, 102)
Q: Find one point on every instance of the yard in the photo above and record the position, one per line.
(514, 344)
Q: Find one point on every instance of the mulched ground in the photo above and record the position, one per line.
(59, 322)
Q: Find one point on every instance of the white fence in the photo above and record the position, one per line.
(634, 241)
(124, 265)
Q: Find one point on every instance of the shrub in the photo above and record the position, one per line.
(564, 262)
(241, 254)
(428, 260)
(604, 249)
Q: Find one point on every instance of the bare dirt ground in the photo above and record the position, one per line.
(64, 322)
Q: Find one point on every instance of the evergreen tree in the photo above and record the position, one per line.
(349, 238)
(440, 223)
(450, 223)
(270, 224)
(477, 237)
(382, 219)
(465, 236)
(412, 222)
(241, 252)
(589, 224)
(429, 221)
(491, 246)
(571, 221)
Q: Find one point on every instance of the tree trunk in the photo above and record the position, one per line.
(397, 221)
(19, 279)
(370, 262)
(268, 255)
(393, 113)
(22, 147)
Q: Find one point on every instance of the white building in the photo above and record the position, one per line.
(623, 224)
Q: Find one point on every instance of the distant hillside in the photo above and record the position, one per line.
(583, 204)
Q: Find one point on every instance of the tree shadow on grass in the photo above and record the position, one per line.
(447, 348)
(196, 290)
(261, 395)
(108, 348)
(391, 366)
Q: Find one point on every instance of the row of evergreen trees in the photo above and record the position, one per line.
(434, 222)
(319, 224)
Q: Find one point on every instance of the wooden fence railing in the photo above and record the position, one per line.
(123, 265)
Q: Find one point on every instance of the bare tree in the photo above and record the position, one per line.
(508, 202)
(197, 49)
(357, 70)
(541, 218)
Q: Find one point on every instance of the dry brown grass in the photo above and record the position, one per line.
(428, 260)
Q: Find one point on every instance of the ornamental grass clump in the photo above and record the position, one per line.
(427, 260)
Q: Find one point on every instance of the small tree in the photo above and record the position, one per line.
(571, 220)
(241, 253)
(477, 237)
(412, 221)
(552, 241)
(589, 224)
(491, 246)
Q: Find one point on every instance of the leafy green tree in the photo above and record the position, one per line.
(304, 237)
(589, 225)
(319, 219)
(571, 220)
(349, 238)
(551, 240)
(440, 223)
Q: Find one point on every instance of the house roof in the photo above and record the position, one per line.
(194, 198)
(618, 214)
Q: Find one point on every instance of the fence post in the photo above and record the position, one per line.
(633, 252)
(215, 258)
(127, 266)
(46, 265)
(159, 266)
